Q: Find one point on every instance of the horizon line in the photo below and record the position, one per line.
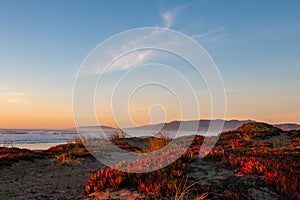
(114, 127)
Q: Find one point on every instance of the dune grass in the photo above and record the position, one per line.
(70, 153)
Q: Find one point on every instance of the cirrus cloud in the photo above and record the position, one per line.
(169, 16)
(212, 34)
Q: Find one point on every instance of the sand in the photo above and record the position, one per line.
(42, 179)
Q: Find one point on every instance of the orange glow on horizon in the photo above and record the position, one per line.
(67, 122)
(61, 117)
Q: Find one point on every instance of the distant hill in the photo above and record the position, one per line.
(95, 127)
(188, 125)
(204, 124)
(288, 126)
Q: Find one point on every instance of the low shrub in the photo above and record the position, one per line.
(167, 182)
(8, 155)
(279, 168)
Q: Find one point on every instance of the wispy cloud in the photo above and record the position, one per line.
(139, 57)
(212, 34)
(132, 59)
(122, 54)
(169, 16)
(135, 58)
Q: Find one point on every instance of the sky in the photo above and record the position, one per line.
(255, 45)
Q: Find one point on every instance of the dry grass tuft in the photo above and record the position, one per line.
(66, 159)
(69, 154)
(182, 188)
(119, 135)
(202, 196)
(159, 142)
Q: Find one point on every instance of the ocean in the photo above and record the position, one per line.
(44, 139)
(35, 139)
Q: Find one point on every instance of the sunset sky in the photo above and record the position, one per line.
(255, 44)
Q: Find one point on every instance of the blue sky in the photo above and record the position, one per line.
(255, 44)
